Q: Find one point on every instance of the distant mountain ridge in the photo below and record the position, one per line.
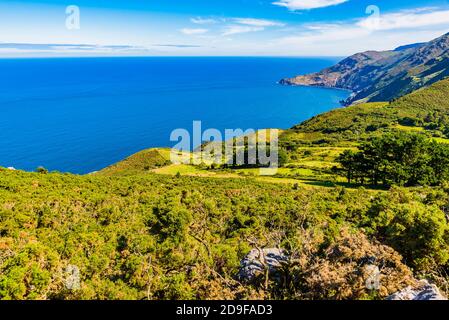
(375, 76)
(410, 46)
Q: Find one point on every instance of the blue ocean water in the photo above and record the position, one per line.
(82, 114)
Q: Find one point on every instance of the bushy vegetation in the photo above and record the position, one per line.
(144, 229)
(146, 236)
(415, 224)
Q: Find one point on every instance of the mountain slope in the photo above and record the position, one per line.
(133, 234)
(142, 161)
(382, 76)
(425, 110)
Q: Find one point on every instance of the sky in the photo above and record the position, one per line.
(216, 27)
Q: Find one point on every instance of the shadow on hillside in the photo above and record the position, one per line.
(329, 184)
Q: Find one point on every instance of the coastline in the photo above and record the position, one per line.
(287, 83)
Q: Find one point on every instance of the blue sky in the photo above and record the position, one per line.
(216, 27)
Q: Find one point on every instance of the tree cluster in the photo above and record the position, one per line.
(404, 159)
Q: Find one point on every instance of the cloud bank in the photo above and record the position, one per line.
(377, 32)
(307, 4)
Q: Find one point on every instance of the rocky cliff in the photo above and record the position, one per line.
(382, 76)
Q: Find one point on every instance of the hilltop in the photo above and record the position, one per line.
(142, 161)
(383, 76)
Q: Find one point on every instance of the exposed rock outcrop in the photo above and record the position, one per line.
(353, 267)
(383, 76)
(424, 291)
(259, 261)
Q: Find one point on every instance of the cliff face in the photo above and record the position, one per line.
(382, 76)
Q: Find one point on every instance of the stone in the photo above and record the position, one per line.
(258, 261)
(424, 291)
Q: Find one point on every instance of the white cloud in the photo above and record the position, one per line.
(409, 19)
(315, 35)
(246, 25)
(44, 49)
(188, 31)
(199, 20)
(307, 4)
(236, 29)
(258, 22)
(389, 31)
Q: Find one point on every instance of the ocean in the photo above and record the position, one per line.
(80, 115)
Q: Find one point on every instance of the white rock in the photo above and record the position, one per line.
(258, 261)
(424, 291)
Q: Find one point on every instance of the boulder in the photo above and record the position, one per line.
(259, 261)
(424, 291)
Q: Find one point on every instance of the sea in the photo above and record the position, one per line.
(80, 115)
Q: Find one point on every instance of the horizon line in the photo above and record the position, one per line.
(167, 56)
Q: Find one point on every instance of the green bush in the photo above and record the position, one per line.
(418, 231)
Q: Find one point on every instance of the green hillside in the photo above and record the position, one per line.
(423, 110)
(140, 162)
(147, 229)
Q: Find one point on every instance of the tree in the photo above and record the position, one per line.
(347, 160)
(41, 170)
(397, 159)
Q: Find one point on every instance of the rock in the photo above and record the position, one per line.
(381, 76)
(424, 291)
(258, 261)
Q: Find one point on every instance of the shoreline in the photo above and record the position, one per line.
(285, 82)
